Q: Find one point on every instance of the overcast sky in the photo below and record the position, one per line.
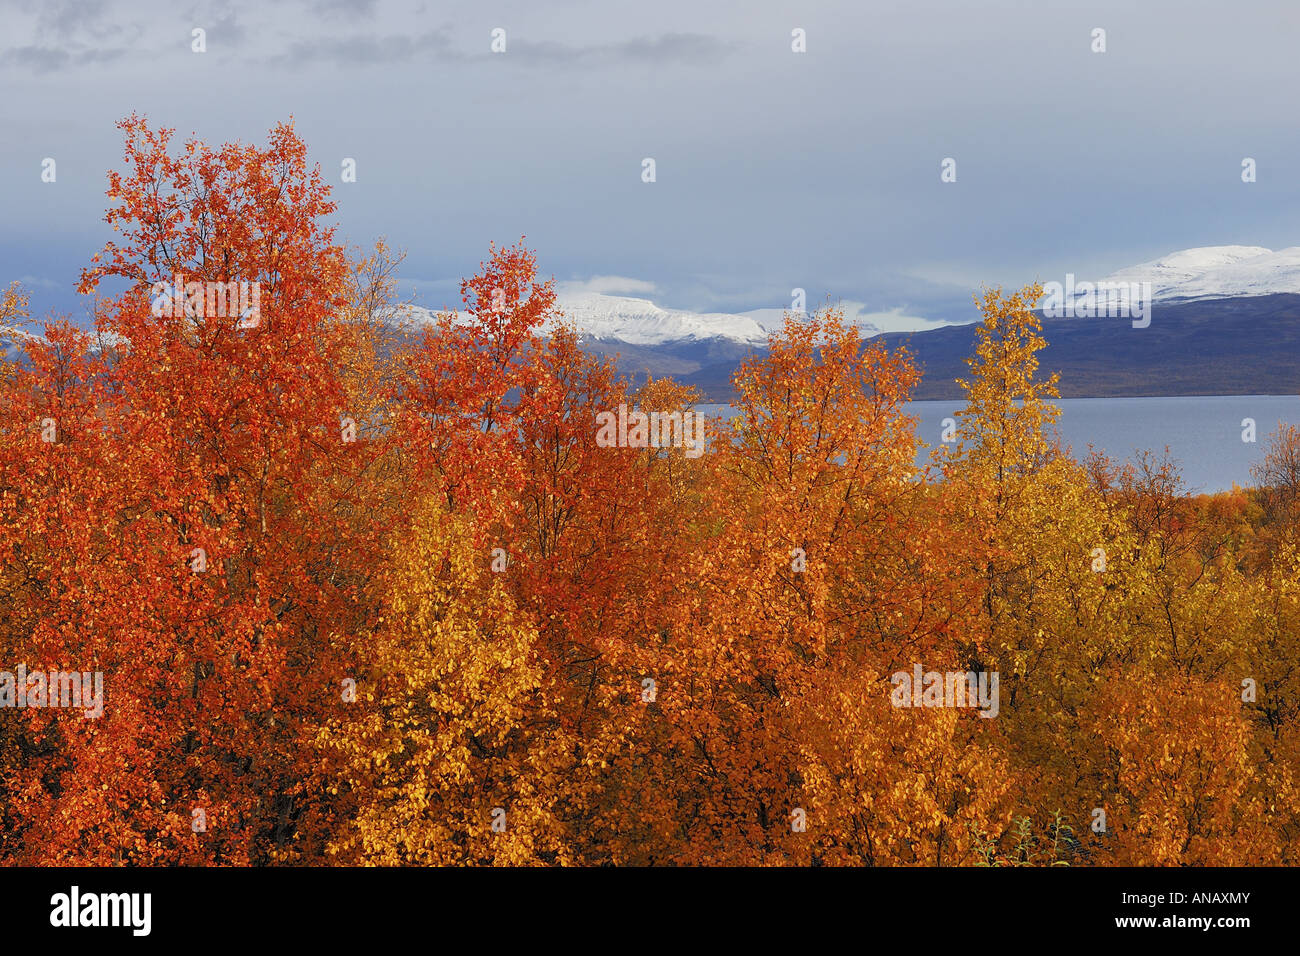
(774, 169)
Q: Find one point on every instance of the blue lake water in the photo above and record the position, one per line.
(1203, 433)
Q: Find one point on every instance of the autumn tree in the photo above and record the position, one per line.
(367, 591)
(821, 569)
(1278, 479)
(451, 755)
(196, 560)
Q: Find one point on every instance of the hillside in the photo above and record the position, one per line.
(1237, 346)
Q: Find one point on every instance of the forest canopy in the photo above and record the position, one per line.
(360, 593)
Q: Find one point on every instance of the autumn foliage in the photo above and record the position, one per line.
(364, 593)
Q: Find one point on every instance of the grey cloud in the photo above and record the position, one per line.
(677, 48)
(226, 30)
(101, 56)
(351, 9)
(67, 33)
(38, 59)
(367, 50)
(44, 59)
(667, 48)
(68, 18)
(775, 169)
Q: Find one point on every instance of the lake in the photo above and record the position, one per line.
(1203, 433)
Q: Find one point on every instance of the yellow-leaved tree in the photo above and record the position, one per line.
(447, 752)
(1056, 564)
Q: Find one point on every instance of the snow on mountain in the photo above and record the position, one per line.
(1217, 272)
(1208, 272)
(12, 343)
(639, 321)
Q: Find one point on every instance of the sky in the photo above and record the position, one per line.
(774, 169)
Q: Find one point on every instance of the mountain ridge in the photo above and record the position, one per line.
(1226, 321)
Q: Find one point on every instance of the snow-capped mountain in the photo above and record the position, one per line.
(640, 322)
(1228, 311)
(13, 343)
(1208, 272)
(1217, 272)
(616, 318)
(700, 348)
(637, 321)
